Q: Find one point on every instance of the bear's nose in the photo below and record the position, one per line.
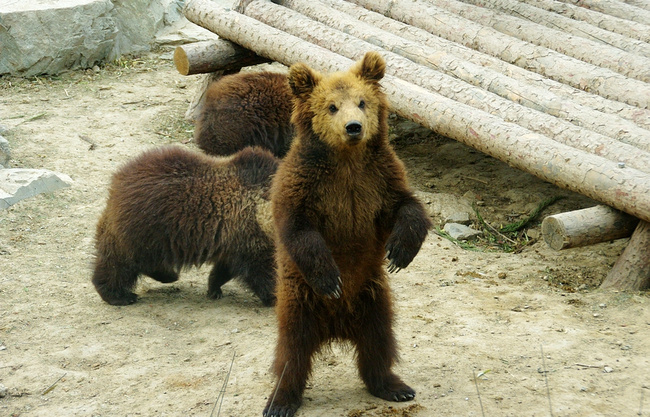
(353, 128)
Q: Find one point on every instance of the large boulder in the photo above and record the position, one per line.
(51, 36)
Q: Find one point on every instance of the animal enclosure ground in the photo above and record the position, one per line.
(471, 325)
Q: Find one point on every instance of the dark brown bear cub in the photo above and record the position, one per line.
(172, 208)
(341, 205)
(246, 109)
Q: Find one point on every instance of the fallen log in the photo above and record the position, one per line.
(638, 117)
(600, 54)
(211, 56)
(626, 189)
(542, 60)
(586, 227)
(624, 27)
(614, 8)
(631, 272)
(525, 94)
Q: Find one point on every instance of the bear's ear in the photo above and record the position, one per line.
(302, 80)
(371, 68)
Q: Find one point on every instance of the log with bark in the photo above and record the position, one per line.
(596, 53)
(614, 8)
(614, 24)
(640, 117)
(604, 38)
(216, 55)
(545, 61)
(631, 272)
(626, 189)
(533, 97)
(586, 227)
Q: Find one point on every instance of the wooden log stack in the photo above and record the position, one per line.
(543, 104)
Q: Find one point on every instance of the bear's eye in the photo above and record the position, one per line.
(333, 109)
(362, 104)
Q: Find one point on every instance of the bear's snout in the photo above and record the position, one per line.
(353, 128)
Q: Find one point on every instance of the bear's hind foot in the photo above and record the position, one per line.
(279, 410)
(393, 390)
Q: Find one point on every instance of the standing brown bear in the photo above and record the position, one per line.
(341, 206)
(246, 109)
(171, 208)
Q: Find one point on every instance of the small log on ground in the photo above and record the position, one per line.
(542, 60)
(567, 167)
(586, 227)
(631, 272)
(211, 56)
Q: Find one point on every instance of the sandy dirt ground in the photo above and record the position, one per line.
(481, 332)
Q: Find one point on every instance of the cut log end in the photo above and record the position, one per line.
(181, 62)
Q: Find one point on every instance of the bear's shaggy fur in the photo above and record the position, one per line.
(341, 206)
(246, 109)
(172, 208)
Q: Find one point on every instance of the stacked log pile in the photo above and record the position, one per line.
(560, 92)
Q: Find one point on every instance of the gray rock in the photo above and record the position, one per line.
(17, 184)
(460, 217)
(5, 154)
(460, 231)
(48, 37)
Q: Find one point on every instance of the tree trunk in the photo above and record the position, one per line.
(542, 60)
(614, 8)
(624, 27)
(631, 272)
(598, 38)
(528, 95)
(586, 227)
(210, 56)
(639, 116)
(626, 189)
(599, 54)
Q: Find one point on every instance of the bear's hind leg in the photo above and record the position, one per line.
(260, 276)
(219, 275)
(114, 281)
(376, 347)
(298, 340)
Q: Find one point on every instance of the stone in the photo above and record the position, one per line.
(460, 217)
(51, 36)
(17, 184)
(460, 231)
(443, 205)
(5, 154)
(48, 37)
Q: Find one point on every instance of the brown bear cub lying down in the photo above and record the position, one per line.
(171, 208)
(341, 206)
(246, 109)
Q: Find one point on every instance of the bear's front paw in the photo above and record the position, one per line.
(328, 284)
(399, 256)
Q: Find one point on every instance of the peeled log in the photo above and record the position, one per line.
(547, 62)
(586, 227)
(626, 189)
(631, 272)
(211, 56)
